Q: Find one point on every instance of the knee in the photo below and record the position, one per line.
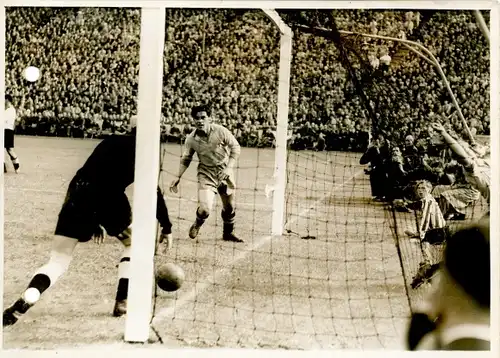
(228, 213)
(203, 212)
(125, 236)
(59, 261)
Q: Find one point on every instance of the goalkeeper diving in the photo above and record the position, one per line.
(217, 150)
(95, 200)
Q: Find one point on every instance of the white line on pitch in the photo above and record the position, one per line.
(45, 191)
(210, 280)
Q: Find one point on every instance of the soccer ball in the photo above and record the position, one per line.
(169, 277)
(31, 74)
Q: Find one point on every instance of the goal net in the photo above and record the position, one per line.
(346, 271)
(334, 278)
(348, 268)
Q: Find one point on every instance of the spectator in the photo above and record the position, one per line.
(456, 312)
(229, 58)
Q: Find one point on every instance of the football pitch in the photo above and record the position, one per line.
(342, 288)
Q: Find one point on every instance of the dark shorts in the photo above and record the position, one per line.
(8, 138)
(87, 207)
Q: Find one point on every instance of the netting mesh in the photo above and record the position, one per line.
(333, 280)
(348, 269)
(356, 254)
(329, 282)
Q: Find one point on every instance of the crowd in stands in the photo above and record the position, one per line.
(89, 62)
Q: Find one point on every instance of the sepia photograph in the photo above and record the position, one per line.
(260, 178)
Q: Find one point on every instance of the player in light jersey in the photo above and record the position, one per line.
(95, 200)
(217, 150)
(475, 163)
(10, 124)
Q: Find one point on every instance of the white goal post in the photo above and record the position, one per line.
(152, 39)
(280, 154)
(147, 167)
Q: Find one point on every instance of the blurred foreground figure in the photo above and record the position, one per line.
(455, 314)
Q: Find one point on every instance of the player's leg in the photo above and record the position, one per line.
(115, 215)
(228, 214)
(14, 158)
(45, 277)
(206, 196)
(5, 145)
(76, 223)
(120, 307)
(9, 147)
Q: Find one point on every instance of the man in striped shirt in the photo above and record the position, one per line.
(217, 150)
(10, 124)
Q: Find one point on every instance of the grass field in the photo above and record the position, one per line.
(342, 288)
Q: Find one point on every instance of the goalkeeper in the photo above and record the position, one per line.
(95, 199)
(217, 150)
(475, 163)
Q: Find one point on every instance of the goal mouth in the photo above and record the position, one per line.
(342, 272)
(332, 280)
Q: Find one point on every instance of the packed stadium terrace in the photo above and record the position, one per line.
(229, 58)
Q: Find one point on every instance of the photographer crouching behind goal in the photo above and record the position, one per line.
(455, 314)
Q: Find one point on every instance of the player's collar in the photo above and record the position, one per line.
(455, 333)
(202, 133)
(475, 331)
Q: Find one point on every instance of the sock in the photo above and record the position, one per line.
(45, 277)
(200, 219)
(123, 275)
(41, 282)
(122, 291)
(228, 219)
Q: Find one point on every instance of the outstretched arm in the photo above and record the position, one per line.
(368, 155)
(461, 154)
(234, 148)
(187, 157)
(162, 213)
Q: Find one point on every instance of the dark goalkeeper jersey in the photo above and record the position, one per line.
(111, 168)
(111, 165)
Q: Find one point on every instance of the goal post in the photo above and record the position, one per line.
(152, 39)
(280, 155)
(482, 24)
(147, 167)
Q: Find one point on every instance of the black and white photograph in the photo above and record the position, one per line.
(272, 178)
